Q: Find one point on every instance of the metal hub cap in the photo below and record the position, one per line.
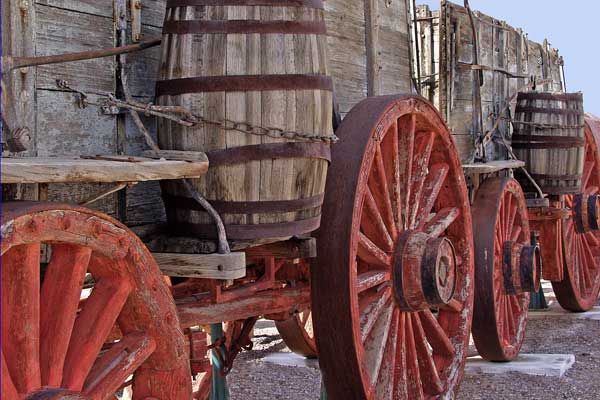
(424, 271)
(522, 266)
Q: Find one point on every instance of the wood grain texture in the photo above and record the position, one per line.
(507, 60)
(492, 166)
(61, 170)
(305, 111)
(207, 266)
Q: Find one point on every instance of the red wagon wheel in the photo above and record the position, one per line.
(501, 226)
(579, 290)
(392, 288)
(298, 334)
(53, 347)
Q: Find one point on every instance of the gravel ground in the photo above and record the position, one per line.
(255, 378)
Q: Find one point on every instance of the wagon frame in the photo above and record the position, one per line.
(398, 195)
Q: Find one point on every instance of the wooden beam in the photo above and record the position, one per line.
(63, 170)
(492, 166)
(268, 302)
(206, 266)
(176, 155)
(372, 39)
(293, 248)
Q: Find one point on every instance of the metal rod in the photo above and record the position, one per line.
(24, 62)
(417, 47)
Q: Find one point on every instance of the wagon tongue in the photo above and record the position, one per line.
(424, 271)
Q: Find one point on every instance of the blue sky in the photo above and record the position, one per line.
(571, 26)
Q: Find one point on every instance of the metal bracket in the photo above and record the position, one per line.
(136, 20)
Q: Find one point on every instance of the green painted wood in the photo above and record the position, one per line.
(219, 390)
(323, 391)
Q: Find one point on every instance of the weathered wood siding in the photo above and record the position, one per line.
(44, 27)
(369, 51)
(508, 60)
(59, 126)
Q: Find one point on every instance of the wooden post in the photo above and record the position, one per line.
(18, 40)
(372, 40)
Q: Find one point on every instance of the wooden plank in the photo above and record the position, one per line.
(206, 266)
(373, 56)
(61, 31)
(267, 302)
(492, 166)
(347, 51)
(66, 130)
(62, 170)
(178, 155)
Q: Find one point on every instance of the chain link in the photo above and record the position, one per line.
(186, 118)
(257, 130)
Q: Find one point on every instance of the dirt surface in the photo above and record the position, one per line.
(255, 377)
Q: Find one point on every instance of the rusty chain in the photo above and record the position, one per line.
(185, 117)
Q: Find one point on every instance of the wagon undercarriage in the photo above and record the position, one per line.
(434, 224)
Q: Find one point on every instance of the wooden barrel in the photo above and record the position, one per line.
(549, 137)
(248, 62)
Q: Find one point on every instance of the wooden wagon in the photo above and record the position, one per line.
(423, 227)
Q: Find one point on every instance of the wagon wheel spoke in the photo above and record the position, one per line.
(61, 291)
(454, 306)
(9, 391)
(401, 365)
(375, 342)
(117, 364)
(423, 148)
(436, 336)
(91, 329)
(380, 189)
(407, 131)
(373, 224)
(384, 386)
(372, 254)
(372, 306)
(390, 154)
(431, 190)
(429, 373)
(372, 279)
(587, 173)
(415, 385)
(442, 221)
(21, 315)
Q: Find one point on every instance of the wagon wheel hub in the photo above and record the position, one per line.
(586, 212)
(522, 268)
(424, 270)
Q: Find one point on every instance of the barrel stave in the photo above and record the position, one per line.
(305, 109)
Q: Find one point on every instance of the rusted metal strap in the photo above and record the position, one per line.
(551, 96)
(268, 151)
(557, 177)
(546, 142)
(542, 110)
(541, 126)
(243, 83)
(249, 232)
(245, 207)
(244, 26)
(318, 4)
